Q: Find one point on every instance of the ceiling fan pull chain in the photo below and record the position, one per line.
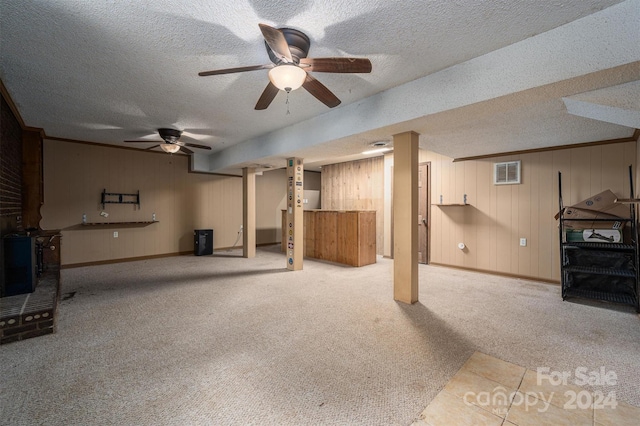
(288, 112)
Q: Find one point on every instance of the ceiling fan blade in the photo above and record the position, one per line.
(233, 70)
(338, 65)
(320, 91)
(267, 96)
(143, 141)
(193, 145)
(186, 150)
(276, 42)
(152, 147)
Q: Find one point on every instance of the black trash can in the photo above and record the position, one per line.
(202, 242)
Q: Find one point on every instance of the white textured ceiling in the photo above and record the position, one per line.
(104, 72)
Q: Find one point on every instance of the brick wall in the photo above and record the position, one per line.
(30, 315)
(26, 326)
(10, 169)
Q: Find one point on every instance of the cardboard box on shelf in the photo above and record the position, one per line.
(599, 207)
(604, 202)
(582, 222)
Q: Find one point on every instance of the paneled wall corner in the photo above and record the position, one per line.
(497, 216)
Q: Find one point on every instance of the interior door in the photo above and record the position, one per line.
(423, 213)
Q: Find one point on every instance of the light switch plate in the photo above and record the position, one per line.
(523, 242)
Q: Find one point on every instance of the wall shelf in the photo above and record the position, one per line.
(443, 204)
(120, 224)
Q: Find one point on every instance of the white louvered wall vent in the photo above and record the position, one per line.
(506, 173)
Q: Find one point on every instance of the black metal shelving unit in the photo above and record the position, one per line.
(601, 271)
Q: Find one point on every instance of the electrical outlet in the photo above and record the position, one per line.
(115, 234)
(523, 242)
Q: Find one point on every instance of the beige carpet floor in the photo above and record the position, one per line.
(222, 340)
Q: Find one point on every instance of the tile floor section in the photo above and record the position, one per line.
(489, 391)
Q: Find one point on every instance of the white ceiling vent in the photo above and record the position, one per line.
(506, 173)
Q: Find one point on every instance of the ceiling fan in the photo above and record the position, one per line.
(171, 142)
(290, 67)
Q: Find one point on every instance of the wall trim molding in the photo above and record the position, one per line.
(632, 138)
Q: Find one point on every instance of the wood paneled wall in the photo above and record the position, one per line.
(490, 227)
(76, 174)
(499, 215)
(356, 185)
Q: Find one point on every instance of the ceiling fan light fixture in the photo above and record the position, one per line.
(287, 77)
(170, 135)
(170, 148)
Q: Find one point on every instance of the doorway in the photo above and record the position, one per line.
(424, 211)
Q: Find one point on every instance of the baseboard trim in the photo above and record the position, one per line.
(502, 274)
(154, 256)
(267, 244)
(124, 259)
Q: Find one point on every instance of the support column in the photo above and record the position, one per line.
(405, 217)
(249, 212)
(295, 217)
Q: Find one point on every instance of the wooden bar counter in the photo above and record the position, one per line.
(342, 236)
